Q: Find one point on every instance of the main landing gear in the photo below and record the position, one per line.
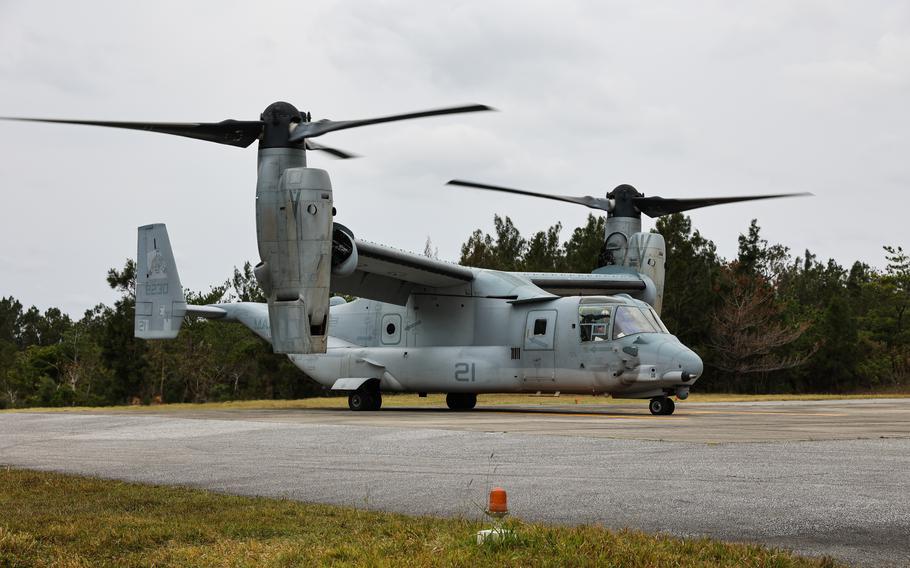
(461, 400)
(365, 399)
(662, 406)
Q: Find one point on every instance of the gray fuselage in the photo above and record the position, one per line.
(439, 343)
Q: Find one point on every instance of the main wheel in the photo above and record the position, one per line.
(461, 400)
(360, 400)
(376, 399)
(661, 406)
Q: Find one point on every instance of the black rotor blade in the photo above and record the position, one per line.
(658, 206)
(240, 133)
(313, 129)
(587, 200)
(340, 154)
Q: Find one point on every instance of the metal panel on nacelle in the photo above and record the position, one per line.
(647, 255)
(617, 232)
(294, 229)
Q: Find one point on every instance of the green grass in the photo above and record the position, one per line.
(49, 519)
(438, 400)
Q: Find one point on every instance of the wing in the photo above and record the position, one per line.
(388, 274)
(567, 284)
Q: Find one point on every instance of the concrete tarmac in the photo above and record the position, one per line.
(830, 477)
(692, 422)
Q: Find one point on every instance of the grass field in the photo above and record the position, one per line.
(48, 519)
(438, 400)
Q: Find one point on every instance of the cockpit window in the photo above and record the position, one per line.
(594, 322)
(656, 320)
(629, 320)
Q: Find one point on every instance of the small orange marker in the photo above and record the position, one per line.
(498, 508)
(498, 502)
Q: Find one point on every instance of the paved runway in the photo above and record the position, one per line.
(692, 422)
(828, 477)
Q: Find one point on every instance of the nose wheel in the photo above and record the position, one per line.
(661, 406)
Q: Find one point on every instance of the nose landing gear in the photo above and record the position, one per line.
(661, 406)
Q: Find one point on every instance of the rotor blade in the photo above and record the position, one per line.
(240, 133)
(340, 154)
(587, 200)
(658, 206)
(313, 129)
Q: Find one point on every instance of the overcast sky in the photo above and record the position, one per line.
(679, 99)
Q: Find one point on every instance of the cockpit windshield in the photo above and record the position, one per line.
(656, 320)
(596, 319)
(629, 320)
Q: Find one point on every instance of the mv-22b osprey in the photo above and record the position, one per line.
(422, 325)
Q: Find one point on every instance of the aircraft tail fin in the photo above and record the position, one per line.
(160, 303)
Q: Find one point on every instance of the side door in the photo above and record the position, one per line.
(539, 356)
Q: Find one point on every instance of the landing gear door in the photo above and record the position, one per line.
(539, 354)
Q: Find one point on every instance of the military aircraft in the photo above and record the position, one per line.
(419, 324)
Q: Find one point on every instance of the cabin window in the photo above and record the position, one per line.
(540, 327)
(594, 322)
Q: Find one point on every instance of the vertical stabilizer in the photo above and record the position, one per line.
(160, 303)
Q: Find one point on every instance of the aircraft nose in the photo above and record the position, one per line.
(691, 363)
(679, 358)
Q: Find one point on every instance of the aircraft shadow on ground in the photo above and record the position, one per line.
(497, 410)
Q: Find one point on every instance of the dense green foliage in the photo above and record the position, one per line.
(763, 322)
(49, 360)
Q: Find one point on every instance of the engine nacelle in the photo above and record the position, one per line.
(344, 251)
(647, 255)
(294, 228)
(626, 247)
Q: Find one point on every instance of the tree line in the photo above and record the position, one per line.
(765, 321)
(50, 360)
